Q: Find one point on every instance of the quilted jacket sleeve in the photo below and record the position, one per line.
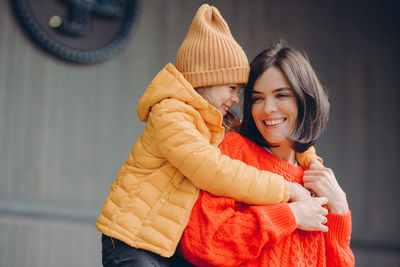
(304, 158)
(181, 143)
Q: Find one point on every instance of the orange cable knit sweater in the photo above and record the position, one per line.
(222, 232)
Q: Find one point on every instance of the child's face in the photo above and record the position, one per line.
(222, 97)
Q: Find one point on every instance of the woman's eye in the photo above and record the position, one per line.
(282, 95)
(256, 99)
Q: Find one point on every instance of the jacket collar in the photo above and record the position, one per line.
(170, 83)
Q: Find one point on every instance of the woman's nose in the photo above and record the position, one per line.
(270, 106)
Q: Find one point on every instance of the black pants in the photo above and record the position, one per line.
(117, 253)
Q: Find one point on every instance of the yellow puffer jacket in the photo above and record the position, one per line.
(150, 201)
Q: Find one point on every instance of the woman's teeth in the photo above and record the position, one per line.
(273, 122)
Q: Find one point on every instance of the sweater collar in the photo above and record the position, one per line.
(269, 150)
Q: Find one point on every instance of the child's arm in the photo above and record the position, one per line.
(183, 145)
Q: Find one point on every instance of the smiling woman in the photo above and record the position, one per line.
(285, 110)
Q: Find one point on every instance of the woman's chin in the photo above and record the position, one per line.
(278, 142)
(273, 141)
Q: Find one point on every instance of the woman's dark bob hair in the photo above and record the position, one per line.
(311, 96)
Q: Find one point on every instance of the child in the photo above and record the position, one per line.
(150, 201)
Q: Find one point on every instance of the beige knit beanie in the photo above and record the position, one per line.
(209, 55)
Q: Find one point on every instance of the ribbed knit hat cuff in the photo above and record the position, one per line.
(218, 77)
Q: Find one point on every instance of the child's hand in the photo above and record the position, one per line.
(297, 192)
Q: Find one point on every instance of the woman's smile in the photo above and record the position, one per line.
(273, 122)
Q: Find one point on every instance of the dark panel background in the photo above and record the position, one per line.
(66, 129)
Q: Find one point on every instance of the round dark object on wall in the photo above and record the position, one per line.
(79, 31)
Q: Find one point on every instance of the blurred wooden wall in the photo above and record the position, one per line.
(66, 129)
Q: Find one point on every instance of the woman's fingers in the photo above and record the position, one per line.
(322, 200)
(309, 214)
(310, 178)
(325, 211)
(298, 192)
(324, 228)
(322, 181)
(316, 175)
(315, 164)
(310, 186)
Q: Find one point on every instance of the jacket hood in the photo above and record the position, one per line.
(170, 83)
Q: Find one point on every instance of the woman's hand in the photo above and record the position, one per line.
(298, 192)
(310, 215)
(322, 181)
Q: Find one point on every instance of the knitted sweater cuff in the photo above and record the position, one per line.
(282, 219)
(339, 226)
